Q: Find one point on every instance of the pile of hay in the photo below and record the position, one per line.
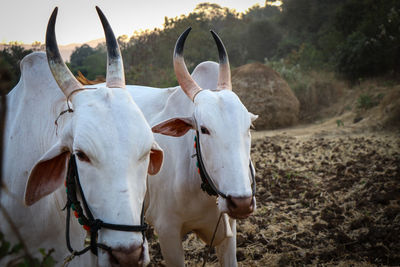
(265, 93)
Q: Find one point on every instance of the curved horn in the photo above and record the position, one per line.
(224, 76)
(188, 85)
(115, 68)
(63, 76)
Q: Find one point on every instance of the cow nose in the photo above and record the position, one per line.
(124, 257)
(240, 207)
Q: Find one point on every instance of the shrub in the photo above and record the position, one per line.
(24, 261)
(365, 101)
(358, 57)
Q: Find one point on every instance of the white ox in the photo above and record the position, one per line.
(113, 144)
(175, 203)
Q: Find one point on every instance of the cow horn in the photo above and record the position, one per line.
(188, 85)
(224, 76)
(115, 68)
(63, 76)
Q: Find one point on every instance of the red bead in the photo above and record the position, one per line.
(76, 214)
(198, 170)
(87, 228)
(65, 183)
(194, 144)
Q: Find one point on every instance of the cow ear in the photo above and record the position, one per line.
(174, 127)
(47, 174)
(156, 159)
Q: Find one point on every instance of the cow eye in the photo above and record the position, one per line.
(204, 130)
(82, 156)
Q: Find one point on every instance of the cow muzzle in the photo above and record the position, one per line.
(124, 257)
(240, 207)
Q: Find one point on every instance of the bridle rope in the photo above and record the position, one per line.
(208, 252)
(89, 223)
(207, 184)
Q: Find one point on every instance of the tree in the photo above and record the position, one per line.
(11, 57)
(80, 54)
(372, 36)
(262, 40)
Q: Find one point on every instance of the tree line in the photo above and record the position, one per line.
(355, 39)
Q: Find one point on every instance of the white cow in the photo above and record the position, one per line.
(176, 204)
(114, 148)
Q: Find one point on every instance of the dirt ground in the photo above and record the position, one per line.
(323, 198)
(328, 194)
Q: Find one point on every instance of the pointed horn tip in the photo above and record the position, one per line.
(178, 51)
(98, 10)
(104, 21)
(185, 34)
(50, 38)
(60, 72)
(100, 13)
(54, 13)
(222, 54)
(216, 36)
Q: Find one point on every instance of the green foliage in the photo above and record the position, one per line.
(256, 13)
(6, 76)
(339, 123)
(366, 101)
(10, 58)
(92, 62)
(80, 54)
(290, 72)
(307, 20)
(372, 32)
(262, 40)
(24, 261)
(357, 39)
(307, 57)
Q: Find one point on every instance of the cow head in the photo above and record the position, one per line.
(114, 148)
(223, 123)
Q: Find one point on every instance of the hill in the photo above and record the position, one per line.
(65, 50)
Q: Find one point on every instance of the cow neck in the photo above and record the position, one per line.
(207, 184)
(89, 223)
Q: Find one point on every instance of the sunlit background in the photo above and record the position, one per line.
(25, 21)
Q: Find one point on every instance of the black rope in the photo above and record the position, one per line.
(90, 223)
(212, 241)
(207, 184)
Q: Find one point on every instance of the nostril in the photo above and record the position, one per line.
(240, 207)
(241, 203)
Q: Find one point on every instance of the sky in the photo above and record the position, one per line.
(77, 21)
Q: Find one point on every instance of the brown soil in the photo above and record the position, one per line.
(327, 199)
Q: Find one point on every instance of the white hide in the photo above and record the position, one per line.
(175, 203)
(108, 127)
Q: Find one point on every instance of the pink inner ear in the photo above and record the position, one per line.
(156, 159)
(173, 127)
(45, 178)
